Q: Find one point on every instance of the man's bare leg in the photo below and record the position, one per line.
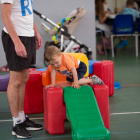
(29, 125)
(25, 77)
(13, 91)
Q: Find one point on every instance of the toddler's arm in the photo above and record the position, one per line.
(75, 77)
(53, 75)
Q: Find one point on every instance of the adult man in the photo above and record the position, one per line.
(20, 38)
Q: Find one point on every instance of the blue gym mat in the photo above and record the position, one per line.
(90, 63)
(42, 69)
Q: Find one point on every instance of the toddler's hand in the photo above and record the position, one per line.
(52, 85)
(75, 85)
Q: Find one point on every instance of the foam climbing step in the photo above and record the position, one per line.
(46, 77)
(83, 113)
(33, 102)
(54, 110)
(101, 94)
(105, 71)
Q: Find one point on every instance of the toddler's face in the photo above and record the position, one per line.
(56, 62)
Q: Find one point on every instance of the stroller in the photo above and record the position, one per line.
(61, 34)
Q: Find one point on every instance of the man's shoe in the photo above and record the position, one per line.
(20, 131)
(30, 125)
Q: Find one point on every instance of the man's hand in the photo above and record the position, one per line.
(20, 49)
(75, 85)
(38, 41)
(52, 85)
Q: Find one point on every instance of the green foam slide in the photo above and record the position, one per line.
(83, 113)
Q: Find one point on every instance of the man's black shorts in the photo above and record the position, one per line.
(81, 71)
(15, 62)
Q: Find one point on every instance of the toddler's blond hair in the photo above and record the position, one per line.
(50, 52)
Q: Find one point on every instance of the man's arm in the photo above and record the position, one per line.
(38, 38)
(6, 9)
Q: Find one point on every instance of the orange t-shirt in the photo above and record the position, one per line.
(68, 62)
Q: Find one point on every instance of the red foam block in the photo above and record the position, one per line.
(54, 110)
(33, 102)
(32, 69)
(90, 75)
(101, 95)
(105, 71)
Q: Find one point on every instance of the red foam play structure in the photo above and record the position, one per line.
(55, 110)
(33, 102)
(54, 107)
(101, 95)
(105, 71)
(32, 69)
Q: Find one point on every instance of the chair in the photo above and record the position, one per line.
(101, 33)
(124, 26)
(138, 29)
(139, 24)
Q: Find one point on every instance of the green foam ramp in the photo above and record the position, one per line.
(83, 113)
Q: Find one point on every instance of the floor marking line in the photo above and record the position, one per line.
(125, 113)
(69, 136)
(125, 132)
(30, 119)
(130, 85)
(3, 91)
(46, 137)
(110, 114)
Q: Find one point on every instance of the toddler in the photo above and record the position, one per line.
(69, 66)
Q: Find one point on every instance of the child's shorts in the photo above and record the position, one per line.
(81, 71)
